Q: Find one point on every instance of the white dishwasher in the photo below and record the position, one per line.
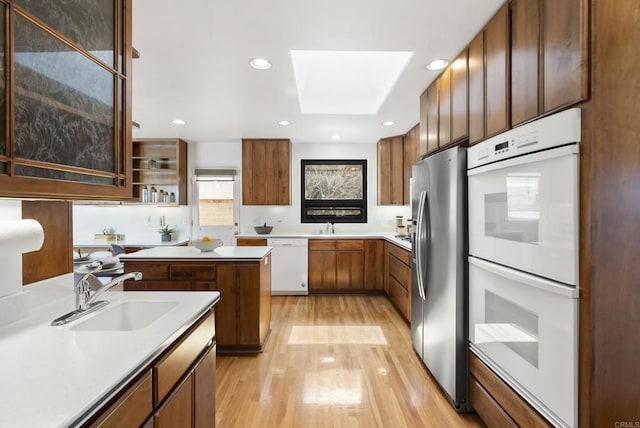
(288, 266)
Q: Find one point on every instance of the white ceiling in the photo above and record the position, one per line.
(195, 54)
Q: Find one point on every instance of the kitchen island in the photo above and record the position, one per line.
(97, 369)
(242, 275)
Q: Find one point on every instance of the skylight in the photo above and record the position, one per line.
(341, 82)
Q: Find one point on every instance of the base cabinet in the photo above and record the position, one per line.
(177, 389)
(336, 265)
(496, 403)
(244, 311)
(398, 278)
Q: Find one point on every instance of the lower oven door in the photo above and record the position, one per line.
(526, 329)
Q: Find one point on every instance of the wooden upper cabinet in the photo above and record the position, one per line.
(266, 172)
(564, 41)
(548, 57)
(497, 73)
(411, 156)
(81, 146)
(160, 164)
(391, 171)
(459, 95)
(432, 117)
(422, 142)
(444, 108)
(525, 34)
(476, 89)
(489, 99)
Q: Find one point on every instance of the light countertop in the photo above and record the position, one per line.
(102, 243)
(192, 253)
(389, 236)
(58, 376)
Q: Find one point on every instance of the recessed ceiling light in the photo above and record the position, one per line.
(437, 64)
(178, 122)
(388, 123)
(284, 123)
(335, 137)
(260, 63)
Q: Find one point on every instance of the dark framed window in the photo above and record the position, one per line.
(334, 190)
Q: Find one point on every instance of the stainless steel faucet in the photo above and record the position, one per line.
(85, 301)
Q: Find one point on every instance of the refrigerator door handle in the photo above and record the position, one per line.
(419, 245)
(427, 241)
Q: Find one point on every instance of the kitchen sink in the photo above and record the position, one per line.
(126, 316)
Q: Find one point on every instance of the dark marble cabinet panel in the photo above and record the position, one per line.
(88, 23)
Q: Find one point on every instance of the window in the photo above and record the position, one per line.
(334, 190)
(215, 206)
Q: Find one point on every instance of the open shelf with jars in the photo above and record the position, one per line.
(159, 170)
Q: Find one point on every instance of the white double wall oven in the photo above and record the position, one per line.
(523, 260)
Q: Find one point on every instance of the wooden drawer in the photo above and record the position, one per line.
(512, 403)
(322, 244)
(157, 285)
(251, 242)
(193, 272)
(489, 410)
(350, 244)
(132, 408)
(204, 286)
(403, 255)
(400, 272)
(175, 363)
(149, 271)
(399, 296)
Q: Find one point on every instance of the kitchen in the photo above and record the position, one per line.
(607, 204)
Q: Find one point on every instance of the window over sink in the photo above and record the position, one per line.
(334, 190)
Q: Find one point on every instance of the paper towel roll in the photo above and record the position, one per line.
(20, 236)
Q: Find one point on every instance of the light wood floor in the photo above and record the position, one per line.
(333, 361)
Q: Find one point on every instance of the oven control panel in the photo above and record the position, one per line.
(552, 131)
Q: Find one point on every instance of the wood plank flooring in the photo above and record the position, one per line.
(333, 361)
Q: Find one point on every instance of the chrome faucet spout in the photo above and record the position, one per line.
(85, 301)
(115, 281)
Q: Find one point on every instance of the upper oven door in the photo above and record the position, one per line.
(523, 213)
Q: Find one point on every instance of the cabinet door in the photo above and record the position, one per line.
(476, 89)
(322, 270)
(410, 147)
(226, 312)
(204, 378)
(384, 171)
(349, 270)
(459, 95)
(432, 117)
(248, 285)
(525, 20)
(266, 172)
(564, 39)
(444, 107)
(178, 409)
(497, 72)
(374, 264)
(422, 143)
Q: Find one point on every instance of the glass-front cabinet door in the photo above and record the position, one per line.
(67, 120)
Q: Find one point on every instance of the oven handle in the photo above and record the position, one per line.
(526, 278)
(572, 149)
(419, 244)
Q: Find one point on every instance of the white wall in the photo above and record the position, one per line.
(287, 218)
(139, 223)
(10, 266)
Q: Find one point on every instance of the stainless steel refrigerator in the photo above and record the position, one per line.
(439, 291)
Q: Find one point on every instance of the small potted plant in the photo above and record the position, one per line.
(165, 233)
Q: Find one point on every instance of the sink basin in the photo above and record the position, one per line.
(126, 316)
